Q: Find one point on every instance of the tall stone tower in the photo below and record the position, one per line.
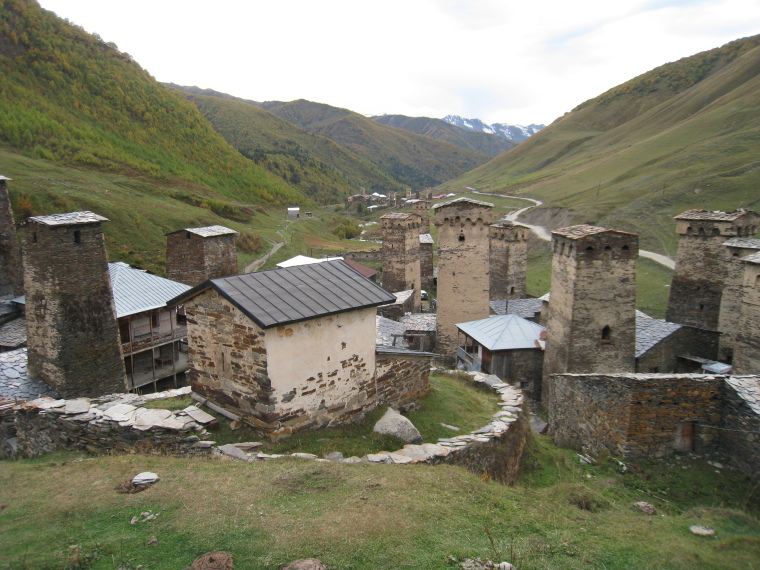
(11, 274)
(422, 209)
(733, 293)
(747, 340)
(701, 264)
(509, 260)
(194, 255)
(463, 227)
(401, 253)
(73, 336)
(591, 326)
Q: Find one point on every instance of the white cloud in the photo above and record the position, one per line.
(489, 59)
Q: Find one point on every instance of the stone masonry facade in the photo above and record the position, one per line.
(636, 416)
(702, 264)
(747, 340)
(592, 313)
(401, 378)
(73, 335)
(194, 255)
(463, 267)
(508, 260)
(401, 253)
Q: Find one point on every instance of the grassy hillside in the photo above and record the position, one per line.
(323, 170)
(485, 143)
(411, 159)
(684, 135)
(69, 97)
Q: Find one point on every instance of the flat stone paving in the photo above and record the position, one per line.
(14, 382)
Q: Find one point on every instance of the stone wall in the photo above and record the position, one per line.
(192, 259)
(733, 293)
(401, 254)
(11, 274)
(740, 436)
(636, 415)
(463, 268)
(508, 261)
(401, 377)
(523, 368)
(689, 341)
(73, 335)
(117, 423)
(369, 255)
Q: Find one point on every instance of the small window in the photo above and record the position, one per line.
(625, 248)
(606, 332)
(589, 248)
(511, 290)
(77, 236)
(34, 237)
(187, 235)
(607, 248)
(461, 237)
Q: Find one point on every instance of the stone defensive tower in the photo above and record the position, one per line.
(701, 264)
(401, 253)
(11, 275)
(73, 336)
(747, 340)
(196, 254)
(463, 226)
(591, 326)
(508, 260)
(422, 209)
(733, 293)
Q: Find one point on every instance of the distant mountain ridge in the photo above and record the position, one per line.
(486, 143)
(516, 133)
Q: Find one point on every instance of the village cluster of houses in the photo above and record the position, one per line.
(318, 342)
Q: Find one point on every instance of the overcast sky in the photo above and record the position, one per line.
(511, 61)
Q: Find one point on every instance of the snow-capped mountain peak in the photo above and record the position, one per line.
(516, 133)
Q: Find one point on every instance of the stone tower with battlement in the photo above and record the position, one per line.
(733, 293)
(463, 282)
(747, 338)
(422, 209)
(509, 260)
(401, 253)
(591, 325)
(194, 255)
(73, 336)
(11, 273)
(702, 262)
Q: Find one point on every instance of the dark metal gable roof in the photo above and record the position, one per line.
(292, 294)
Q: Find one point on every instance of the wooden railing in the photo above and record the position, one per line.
(153, 340)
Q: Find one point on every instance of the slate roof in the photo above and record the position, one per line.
(651, 331)
(744, 243)
(525, 308)
(754, 258)
(583, 230)
(462, 201)
(401, 297)
(135, 291)
(397, 215)
(385, 329)
(426, 238)
(748, 388)
(420, 321)
(208, 231)
(13, 334)
(294, 294)
(716, 215)
(72, 218)
(505, 332)
(14, 382)
(383, 349)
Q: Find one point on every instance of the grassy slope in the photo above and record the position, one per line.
(319, 167)
(374, 516)
(486, 143)
(682, 136)
(411, 159)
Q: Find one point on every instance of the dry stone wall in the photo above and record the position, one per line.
(401, 378)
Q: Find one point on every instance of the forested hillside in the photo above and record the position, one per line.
(411, 159)
(486, 143)
(322, 169)
(70, 97)
(684, 135)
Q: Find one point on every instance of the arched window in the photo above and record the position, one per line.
(606, 333)
(461, 237)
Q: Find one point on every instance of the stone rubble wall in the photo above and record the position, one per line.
(401, 379)
(116, 423)
(740, 429)
(635, 415)
(369, 255)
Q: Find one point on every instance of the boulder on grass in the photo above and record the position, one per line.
(393, 423)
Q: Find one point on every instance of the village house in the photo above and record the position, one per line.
(295, 348)
(153, 335)
(196, 254)
(507, 346)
